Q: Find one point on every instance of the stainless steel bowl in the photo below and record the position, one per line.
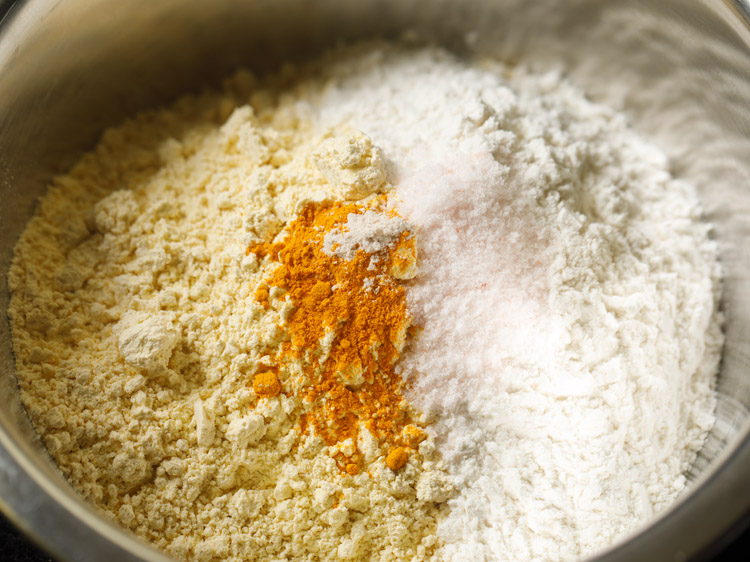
(680, 69)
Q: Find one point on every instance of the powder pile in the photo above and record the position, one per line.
(348, 327)
(372, 232)
(181, 383)
(212, 318)
(567, 293)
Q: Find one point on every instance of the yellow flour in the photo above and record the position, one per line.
(143, 350)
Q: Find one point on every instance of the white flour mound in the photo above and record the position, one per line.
(567, 293)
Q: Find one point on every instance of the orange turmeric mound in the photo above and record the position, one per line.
(266, 384)
(355, 384)
(397, 458)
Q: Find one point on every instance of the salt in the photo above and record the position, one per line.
(373, 232)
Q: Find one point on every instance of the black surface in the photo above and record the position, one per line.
(16, 548)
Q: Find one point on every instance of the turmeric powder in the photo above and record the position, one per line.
(266, 384)
(363, 307)
(397, 458)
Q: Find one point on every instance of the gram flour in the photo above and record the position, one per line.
(137, 336)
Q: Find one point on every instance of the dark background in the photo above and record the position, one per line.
(16, 548)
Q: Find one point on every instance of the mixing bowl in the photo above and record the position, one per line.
(679, 69)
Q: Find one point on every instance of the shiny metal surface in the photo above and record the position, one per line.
(680, 69)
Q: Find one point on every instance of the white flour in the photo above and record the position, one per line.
(567, 292)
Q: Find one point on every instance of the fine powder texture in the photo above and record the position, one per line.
(567, 292)
(565, 301)
(372, 231)
(149, 363)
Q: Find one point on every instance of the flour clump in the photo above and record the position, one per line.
(146, 341)
(351, 164)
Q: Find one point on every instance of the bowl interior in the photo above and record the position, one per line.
(680, 70)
